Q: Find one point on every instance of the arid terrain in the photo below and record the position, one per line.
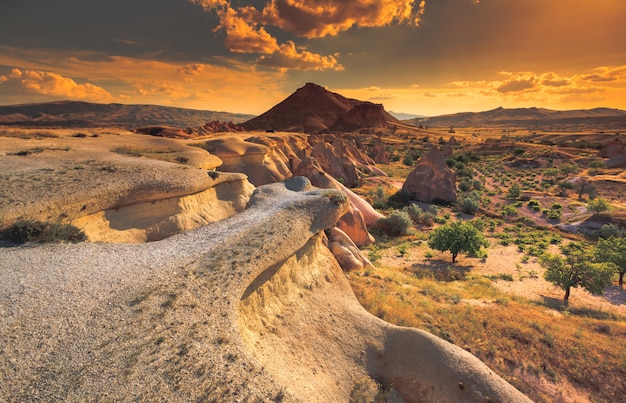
(259, 265)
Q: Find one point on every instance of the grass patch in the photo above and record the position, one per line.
(520, 340)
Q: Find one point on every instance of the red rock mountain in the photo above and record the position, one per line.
(314, 109)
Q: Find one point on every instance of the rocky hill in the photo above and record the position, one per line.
(84, 114)
(238, 297)
(314, 109)
(527, 117)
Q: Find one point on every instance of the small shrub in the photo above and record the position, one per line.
(399, 199)
(469, 204)
(534, 204)
(609, 230)
(509, 210)
(465, 184)
(37, 231)
(336, 197)
(419, 216)
(514, 192)
(396, 224)
(380, 205)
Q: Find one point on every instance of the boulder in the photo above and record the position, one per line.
(379, 154)
(348, 255)
(612, 149)
(618, 161)
(431, 180)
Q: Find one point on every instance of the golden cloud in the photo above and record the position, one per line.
(223, 84)
(246, 33)
(288, 57)
(192, 69)
(602, 83)
(50, 84)
(242, 37)
(320, 18)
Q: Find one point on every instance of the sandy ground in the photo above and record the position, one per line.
(528, 277)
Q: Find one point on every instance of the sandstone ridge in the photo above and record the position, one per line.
(253, 307)
(118, 187)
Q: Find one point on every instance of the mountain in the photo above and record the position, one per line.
(405, 116)
(85, 114)
(314, 109)
(525, 117)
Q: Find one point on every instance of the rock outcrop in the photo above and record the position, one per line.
(260, 163)
(613, 149)
(251, 308)
(158, 219)
(379, 154)
(348, 255)
(431, 180)
(364, 115)
(270, 158)
(353, 222)
(71, 178)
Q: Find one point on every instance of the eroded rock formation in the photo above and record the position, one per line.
(431, 180)
(353, 222)
(612, 149)
(379, 154)
(250, 308)
(262, 164)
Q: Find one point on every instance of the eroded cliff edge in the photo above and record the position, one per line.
(250, 308)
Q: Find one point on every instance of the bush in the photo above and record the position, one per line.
(534, 204)
(469, 203)
(465, 184)
(407, 160)
(598, 205)
(37, 231)
(399, 199)
(514, 192)
(609, 230)
(396, 224)
(509, 210)
(419, 216)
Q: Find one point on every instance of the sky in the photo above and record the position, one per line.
(425, 57)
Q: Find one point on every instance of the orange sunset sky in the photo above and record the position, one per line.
(423, 57)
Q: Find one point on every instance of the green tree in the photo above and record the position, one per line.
(576, 268)
(613, 250)
(598, 205)
(457, 236)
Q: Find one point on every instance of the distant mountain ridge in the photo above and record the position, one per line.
(86, 114)
(314, 109)
(524, 117)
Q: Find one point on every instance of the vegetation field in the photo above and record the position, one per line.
(530, 196)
